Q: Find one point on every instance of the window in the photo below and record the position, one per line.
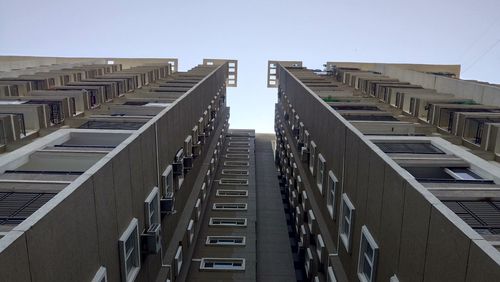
(101, 275)
(238, 144)
(190, 231)
(308, 262)
(229, 207)
(312, 157)
(330, 276)
(368, 255)
(238, 150)
(226, 241)
(237, 156)
(408, 148)
(203, 191)
(231, 193)
(320, 249)
(208, 177)
(233, 181)
(129, 251)
(223, 264)
(236, 163)
(168, 181)
(330, 197)
(235, 172)
(178, 260)
(461, 173)
(320, 174)
(197, 208)
(188, 146)
(152, 207)
(347, 222)
(230, 222)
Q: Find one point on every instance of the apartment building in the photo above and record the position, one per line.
(390, 171)
(100, 187)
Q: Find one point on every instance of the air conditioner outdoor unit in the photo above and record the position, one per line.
(167, 204)
(188, 163)
(201, 138)
(151, 240)
(304, 155)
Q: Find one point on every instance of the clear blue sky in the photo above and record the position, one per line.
(424, 31)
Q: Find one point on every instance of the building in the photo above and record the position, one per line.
(390, 170)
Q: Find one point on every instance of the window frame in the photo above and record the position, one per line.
(204, 261)
(312, 158)
(330, 195)
(367, 240)
(131, 233)
(152, 202)
(219, 193)
(235, 237)
(233, 181)
(168, 180)
(320, 173)
(347, 238)
(213, 220)
(229, 206)
(101, 275)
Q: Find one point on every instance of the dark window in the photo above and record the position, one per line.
(408, 148)
(17, 206)
(446, 175)
(482, 216)
(370, 118)
(112, 125)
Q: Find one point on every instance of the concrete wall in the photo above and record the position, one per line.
(419, 238)
(78, 230)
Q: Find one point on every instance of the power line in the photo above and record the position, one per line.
(482, 55)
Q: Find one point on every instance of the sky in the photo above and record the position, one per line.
(425, 31)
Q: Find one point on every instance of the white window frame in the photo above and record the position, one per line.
(231, 193)
(330, 276)
(229, 207)
(190, 231)
(330, 195)
(178, 260)
(348, 214)
(225, 241)
(228, 222)
(234, 171)
(152, 207)
(238, 144)
(203, 191)
(188, 146)
(131, 233)
(101, 275)
(320, 173)
(237, 156)
(168, 181)
(237, 163)
(238, 150)
(197, 208)
(312, 158)
(225, 267)
(233, 181)
(367, 241)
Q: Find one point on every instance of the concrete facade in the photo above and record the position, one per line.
(415, 235)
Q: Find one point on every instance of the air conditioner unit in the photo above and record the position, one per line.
(167, 204)
(304, 155)
(188, 163)
(151, 240)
